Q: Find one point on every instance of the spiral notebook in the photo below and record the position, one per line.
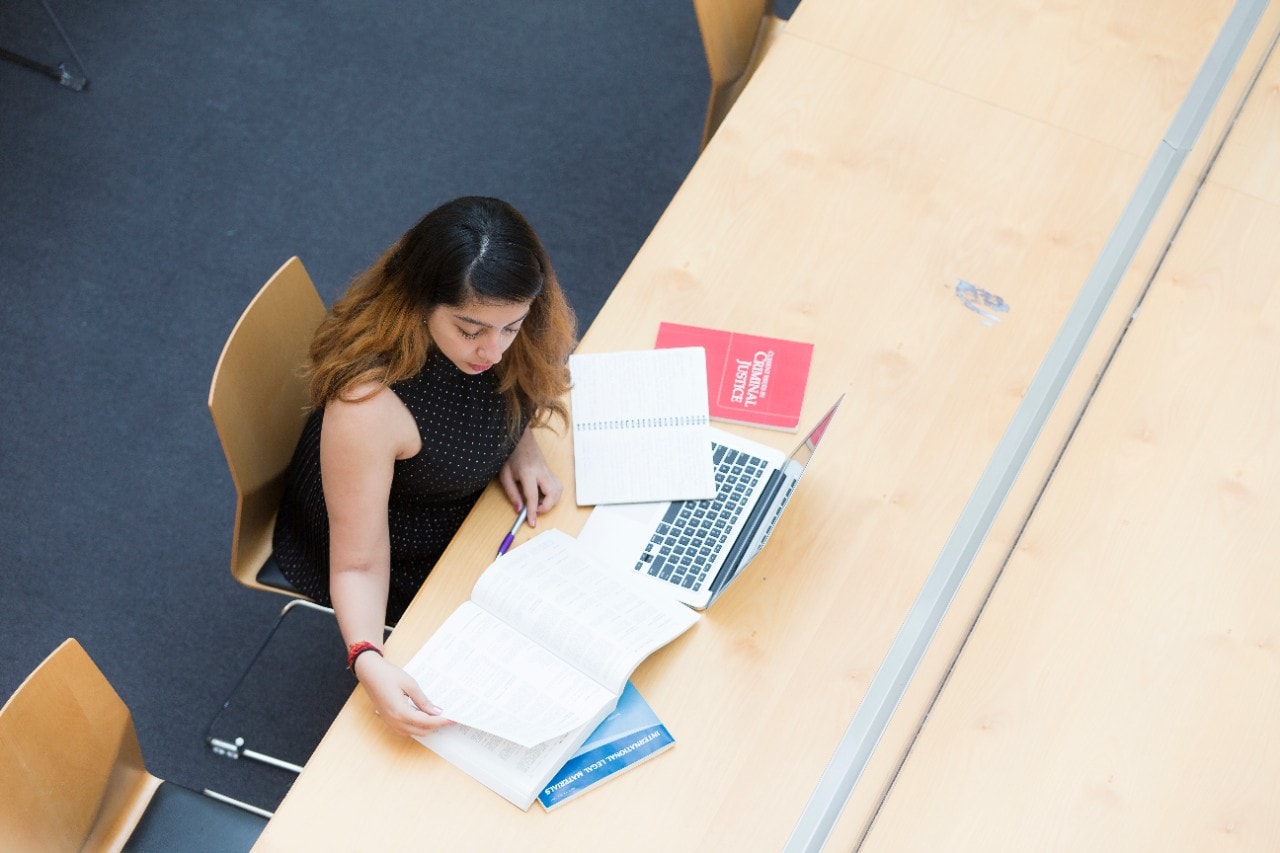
(640, 426)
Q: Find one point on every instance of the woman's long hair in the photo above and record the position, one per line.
(467, 249)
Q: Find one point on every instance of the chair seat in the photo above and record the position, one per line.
(178, 818)
(270, 575)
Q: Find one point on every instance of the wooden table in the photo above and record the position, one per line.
(1119, 690)
(1109, 71)
(917, 700)
(842, 202)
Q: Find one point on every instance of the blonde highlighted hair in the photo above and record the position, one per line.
(469, 249)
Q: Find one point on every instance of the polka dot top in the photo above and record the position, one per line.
(462, 421)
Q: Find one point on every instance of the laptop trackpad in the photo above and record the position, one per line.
(617, 533)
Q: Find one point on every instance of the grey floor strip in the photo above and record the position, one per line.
(885, 691)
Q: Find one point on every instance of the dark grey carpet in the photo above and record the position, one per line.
(215, 141)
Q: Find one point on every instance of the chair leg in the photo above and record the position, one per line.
(240, 804)
(59, 73)
(234, 746)
(236, 750)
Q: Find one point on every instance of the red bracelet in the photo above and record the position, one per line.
(356, 649)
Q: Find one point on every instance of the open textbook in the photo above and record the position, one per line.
(536, 659)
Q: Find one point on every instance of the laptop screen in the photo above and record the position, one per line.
(778, 495)
(800, 457)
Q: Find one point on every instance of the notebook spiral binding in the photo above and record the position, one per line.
(642, 423)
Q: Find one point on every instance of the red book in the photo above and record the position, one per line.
(751, 379)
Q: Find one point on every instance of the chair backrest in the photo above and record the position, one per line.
(736, 34)
(258, 401)
(71, 770)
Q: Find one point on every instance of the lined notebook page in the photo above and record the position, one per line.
(640, 429)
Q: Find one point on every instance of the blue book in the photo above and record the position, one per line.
(630, 735)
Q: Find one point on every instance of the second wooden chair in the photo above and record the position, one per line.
(72, 775)
(736, 35)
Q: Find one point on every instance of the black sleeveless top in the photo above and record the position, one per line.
(462, 420)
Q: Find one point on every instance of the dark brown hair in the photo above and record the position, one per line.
(469, 249)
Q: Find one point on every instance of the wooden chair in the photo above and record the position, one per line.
(257, 400)
(736, 34)
(72, 775)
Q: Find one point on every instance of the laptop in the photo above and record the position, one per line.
(695, 549)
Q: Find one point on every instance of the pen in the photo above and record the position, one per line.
(510, 537)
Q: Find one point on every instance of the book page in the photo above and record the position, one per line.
(640, 426)
(515, 772)
(604, 623)
(487, 675)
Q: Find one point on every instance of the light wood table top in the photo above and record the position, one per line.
(1111, 71)
(1118, 690)
(918, 699)
(830, 207)
(1251, 163)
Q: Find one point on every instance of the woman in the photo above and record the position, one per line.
(426, 379)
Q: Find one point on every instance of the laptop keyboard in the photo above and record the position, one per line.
(693, 533)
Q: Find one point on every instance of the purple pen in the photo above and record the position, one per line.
(510, 537)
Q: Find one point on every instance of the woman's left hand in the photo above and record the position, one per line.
(527, 479)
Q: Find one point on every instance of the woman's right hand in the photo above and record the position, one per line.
(397, 698)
